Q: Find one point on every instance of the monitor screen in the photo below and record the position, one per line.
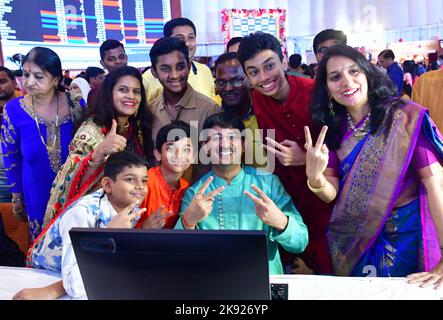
(172, 264)
(75, 29)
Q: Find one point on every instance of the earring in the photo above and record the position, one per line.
(331, 107)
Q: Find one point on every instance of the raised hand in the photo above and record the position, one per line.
(266, 209)
(126, 217)
(157, 219)
(112, 144)
(287, 152)
(201, 204)
(317, 156)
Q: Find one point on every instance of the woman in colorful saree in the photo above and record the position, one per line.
(118, 120)
(381, 157)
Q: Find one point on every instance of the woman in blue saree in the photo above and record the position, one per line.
(380, 157)
(36, 131)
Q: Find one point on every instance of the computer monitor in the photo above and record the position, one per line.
(172, 264)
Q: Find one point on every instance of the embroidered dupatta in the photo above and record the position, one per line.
(372, 186)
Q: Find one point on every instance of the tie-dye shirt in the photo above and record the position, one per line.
(54, 251)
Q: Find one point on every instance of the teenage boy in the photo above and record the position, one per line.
(113, 56)
(166, 185)
(123, 189)
(236, 197)
(234, 89)
(171, 66)
(200, 77)
(326, 39)
(281, 105)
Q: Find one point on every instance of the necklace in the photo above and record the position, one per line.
(49, 148)
(124, 127)
(360, 132)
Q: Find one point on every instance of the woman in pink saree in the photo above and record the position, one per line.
(380, 157)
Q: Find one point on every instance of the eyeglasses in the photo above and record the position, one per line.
(236, 82)
(322, 50)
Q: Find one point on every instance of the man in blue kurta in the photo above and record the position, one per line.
(236, 197)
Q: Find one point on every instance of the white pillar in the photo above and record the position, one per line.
(317, 16)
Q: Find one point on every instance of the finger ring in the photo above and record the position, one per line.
(307, 146)
(324, 150)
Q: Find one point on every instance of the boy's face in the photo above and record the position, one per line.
(172, 70)
(186, 34)
(114, 58)
(175, 156)
(266, 73)
(129, 186)
(224, 146)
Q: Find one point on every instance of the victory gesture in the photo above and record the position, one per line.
(201, 204)
(266, 210)
(317, 156)
(112, 144)
(287, 152)
(157, 219)
(126, 217)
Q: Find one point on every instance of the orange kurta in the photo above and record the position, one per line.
(160, 193)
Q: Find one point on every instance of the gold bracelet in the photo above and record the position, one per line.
(316, 190)
(96, 164)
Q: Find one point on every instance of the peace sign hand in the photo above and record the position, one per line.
(287, 152)
(317, 156)
(157, 219)
(125, 219)
(201, 204)
(266, 209)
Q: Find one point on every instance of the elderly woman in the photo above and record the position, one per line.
(79, 89)
(382, 161)
(36, 131)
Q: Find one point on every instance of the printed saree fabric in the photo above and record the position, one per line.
(372, 184)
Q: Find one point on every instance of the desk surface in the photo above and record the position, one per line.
(301, 287)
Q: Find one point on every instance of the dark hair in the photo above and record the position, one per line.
(381, 96)
(8, 73)
(409, 66)
(46, 59)
(177, 22)
(103, 111)
(109, 45)
(386, 54)
(92, 72)
(329, 34)
(295, 61)
(256, 43)
(233, 41)
(167, 45)
(179, 129)
(227, 56)
(225, 120)
(118, 161)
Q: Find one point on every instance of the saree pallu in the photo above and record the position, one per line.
(372, 181)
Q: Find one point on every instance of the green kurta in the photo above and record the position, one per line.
(232, 210)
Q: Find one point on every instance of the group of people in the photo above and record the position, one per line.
(343, 174)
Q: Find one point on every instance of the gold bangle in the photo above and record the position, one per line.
(95, 164)
(316, 190)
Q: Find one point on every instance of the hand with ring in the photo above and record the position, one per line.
(201, 204)
(113, 143)
(317, 156)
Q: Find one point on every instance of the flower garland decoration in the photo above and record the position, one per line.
(228, 16)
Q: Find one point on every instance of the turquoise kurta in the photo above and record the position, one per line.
(236, 211)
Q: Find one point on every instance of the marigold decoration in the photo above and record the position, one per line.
(241, 22)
